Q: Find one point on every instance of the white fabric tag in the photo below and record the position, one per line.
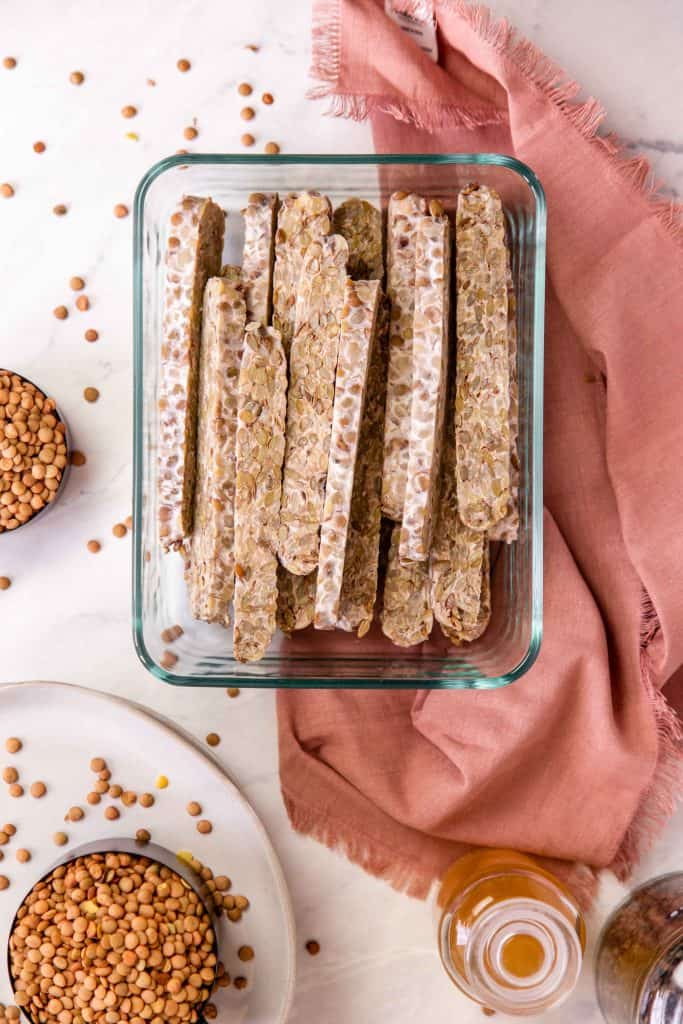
(422, 30)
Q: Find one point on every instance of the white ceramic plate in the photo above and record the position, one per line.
(62, 727)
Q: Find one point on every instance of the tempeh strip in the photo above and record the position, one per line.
(473, 630)
(406, 615)
(260, 216)
(456, 558)
(361, 562)
(312, 369)
(295, 600)
(405, 213)
(360, 223)
(211, 569)
(357, 334)
(482, 398)
(193, 256)
(260, 448)
(430, 369)
(507, 528)
(303, 218)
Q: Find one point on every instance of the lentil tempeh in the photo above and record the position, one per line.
(312, 369)
(211, 566)
(260, 444)
(473, 630)
(405, 213)
(507, 528)
(303, 217)
(295, 600)
(361, 561)
(482, 399)
(260, 216)
(358, 323)
(194, 254)
(406, 615)
(430, 368)
(360, 223)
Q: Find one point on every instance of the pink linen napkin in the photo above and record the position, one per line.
(580, 760)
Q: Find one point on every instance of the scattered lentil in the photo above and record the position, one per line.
(240, 982)
(76, 284)
(313, 947)
(271, 148)
(183, 64)
(129, 798)
(6, 190)
(39, 147)
(222, 882)
(168, 659)
(112, 813)
(9, 830)
(60, 838)
(247, 139)
(119, 530)
(245, 953)
(267, 98)
(101, 787)
(161, 782)
(147, 800)
(77, 78)
(61, 312)
(15, 790)
(128, 522)
(37, 789)
(5, 583)
(120, 210)
(241, 902)
(59, 210)
(190, 132)
(204, 826)
(115, 791)
(23, 856)
(9, 62)
(4, 838)
(82, 303)
(75, 814)
(129, 111)
(213, 739)
(94, 546)
(143, 835)
(13, 745)
(104, 774)
(247, 113)
(93, 798)
(98, 764)
(233, 691)
(77, 458)
(91, 394)
(252, 46)
(194, 809)
(4, 882)
(210, 1011)
(244, 89)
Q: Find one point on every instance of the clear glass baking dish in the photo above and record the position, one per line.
(311, 658)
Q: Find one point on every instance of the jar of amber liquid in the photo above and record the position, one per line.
(511, 936)
(639, 964)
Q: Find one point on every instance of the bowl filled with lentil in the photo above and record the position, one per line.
(34, 451)
(114, 932)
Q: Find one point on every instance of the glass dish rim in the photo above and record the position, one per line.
(536, 468)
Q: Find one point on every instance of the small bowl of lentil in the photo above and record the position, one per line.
(34, 451)
(114, 933)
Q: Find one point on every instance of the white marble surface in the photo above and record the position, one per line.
(66, 616)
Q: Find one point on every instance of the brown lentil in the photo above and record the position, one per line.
(119, 530)
(313, 947)
(13, 745)
(245, 953)
(37, 789)
(247, 139)
(78, 458)
(23, 856)
(204, 826)
(129, 798)
(61, 312)
(4, 838)
(147, 800)
(9, 62)
(76, 284)
(77, 78)
(91, 394)
(94, 546)
(59, 210)
(5, 583)
(93, 798)
(4, 882)
(104, 775)
(271, 148)
(244, 89)
(6, 190)
(247, 113)
(190, 132)
(39, 147)
(120, 210)
(60, 838)
(183, 64)
(168, 659)
(194, 809)
(210, 1011)
(240, 982)
(267, 98)
(75, 814)
(83, 303)
(15, 790)
(112, 813)
(9, 830)
(98, 764)
(129, 111)
(91, 334)
(241, 902)
(213, 739)
(233, 691)
(101, 787)
(115, 791)
(128, 522)
(143, 835)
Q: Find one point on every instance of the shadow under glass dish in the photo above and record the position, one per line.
(313, 658)
(153, 852)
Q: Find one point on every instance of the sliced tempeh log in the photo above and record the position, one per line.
(258, 253)
(406, 614)
(360, 223)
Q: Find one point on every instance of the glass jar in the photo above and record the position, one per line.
(639, 964)
(511, 936)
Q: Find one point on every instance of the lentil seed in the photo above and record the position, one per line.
(60, 312)
(91, 394)
(190, 132)
(120, 210)
(77, 78)
(247, 113)
(37, 789)
(91, 334)
(183, 65)
(39, 147)
(6, 190)
(83, 303)
(5, 583)
(9, 62)
(60, 838)
(94, 546)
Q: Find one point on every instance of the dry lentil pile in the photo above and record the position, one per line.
(112, 937)
(33, 451)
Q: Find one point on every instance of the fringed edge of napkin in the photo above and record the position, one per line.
(585, 116)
